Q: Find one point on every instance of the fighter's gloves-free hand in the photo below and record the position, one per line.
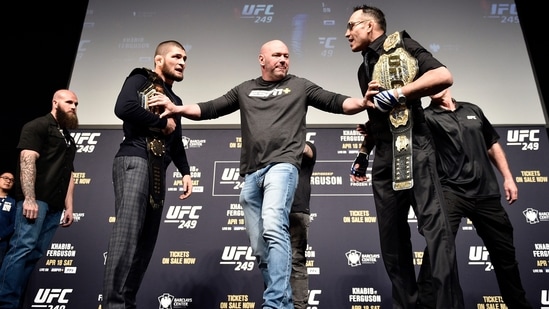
(385, 100)
(360, 164)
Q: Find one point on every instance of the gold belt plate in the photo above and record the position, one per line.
(157, 147)
(395, 69)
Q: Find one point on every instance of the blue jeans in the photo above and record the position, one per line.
(266, 199)
(28, 244)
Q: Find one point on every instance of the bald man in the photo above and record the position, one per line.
(273, 110)
(43, 191)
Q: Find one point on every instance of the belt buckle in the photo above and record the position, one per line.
(157, 147)
(401, 127)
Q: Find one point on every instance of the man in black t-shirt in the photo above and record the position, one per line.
(466, 146)
(43, 191)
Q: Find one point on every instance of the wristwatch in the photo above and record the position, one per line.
(401, 96)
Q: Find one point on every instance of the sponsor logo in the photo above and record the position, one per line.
(192, 143)
(267, 93)
(357, 258)
(533, 216)
(168, 301)
(70, 270)
(165, 301)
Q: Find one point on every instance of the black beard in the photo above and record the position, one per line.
(66, 120)
(169, 75)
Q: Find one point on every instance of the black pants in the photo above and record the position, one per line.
(392, 209)
(299, 231)
(494, 227)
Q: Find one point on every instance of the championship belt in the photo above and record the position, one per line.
(394, 69)
(156, 147)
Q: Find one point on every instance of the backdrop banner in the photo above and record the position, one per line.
(203, 259)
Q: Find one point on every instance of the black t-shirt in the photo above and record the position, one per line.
(55, 164)
(462, 139)
(273, 117)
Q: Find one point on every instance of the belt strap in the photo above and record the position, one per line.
(157, 177)
(156, 147)
(401, 126)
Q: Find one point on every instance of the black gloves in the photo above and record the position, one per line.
(360, 164)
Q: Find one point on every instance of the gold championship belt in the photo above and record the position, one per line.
(155, 144)
(394, 69)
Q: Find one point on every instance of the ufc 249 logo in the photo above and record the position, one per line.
(85, 141)
(51, 298)
(545, 298)
(186, 216)
(313, 302)
(260, 13)
(479, 255)
(257, 9)
(231, 175)
(527, 139)
(240, 256)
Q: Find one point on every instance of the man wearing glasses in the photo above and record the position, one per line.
(397, 71)
(7, 212)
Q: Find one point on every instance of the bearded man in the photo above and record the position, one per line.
(44, 193)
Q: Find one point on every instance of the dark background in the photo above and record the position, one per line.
(42, 43)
